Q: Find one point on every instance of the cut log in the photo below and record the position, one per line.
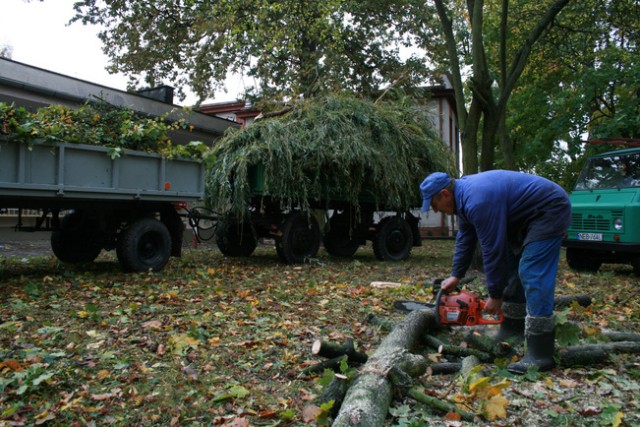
(383, 324)
(335, 391)
(333, 364)
(445, 368)
(331, 350)
(622, 336)
(368, 399)
(585, 355)
(432, 341)
(567, 300)
(570, 358)
(488, 345)
(455, 350)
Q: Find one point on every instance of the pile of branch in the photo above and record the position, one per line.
(334, 147)
(390, 371)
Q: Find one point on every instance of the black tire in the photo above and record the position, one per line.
(74, 242)
(635, 263)
(339, 243)
(393, 240)
(144, 245)
(300, 239)
(579, 260)
(236, 240)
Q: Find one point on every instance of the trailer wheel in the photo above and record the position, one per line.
(300, 239)
(579, 260)
(144, 245)
(73, 242)
(236, 240)
(394, 239)
(338, 243)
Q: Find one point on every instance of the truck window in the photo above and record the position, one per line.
(609, 172)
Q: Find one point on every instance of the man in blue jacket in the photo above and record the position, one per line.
(519, 220)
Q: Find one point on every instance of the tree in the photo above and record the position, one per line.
(290, 47)
(582, 83)
(466, 28)
(6, 51)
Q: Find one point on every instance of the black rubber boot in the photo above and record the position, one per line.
(540, 334)
(512, 328)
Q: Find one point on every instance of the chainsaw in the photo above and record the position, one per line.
(462, 309)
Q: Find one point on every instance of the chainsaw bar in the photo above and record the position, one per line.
(407, 306)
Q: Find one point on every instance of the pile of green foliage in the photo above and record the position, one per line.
(96, 123)
(328, 148)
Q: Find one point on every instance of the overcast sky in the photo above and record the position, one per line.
(39, 36)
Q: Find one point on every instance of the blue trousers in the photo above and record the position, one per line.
(532, 276)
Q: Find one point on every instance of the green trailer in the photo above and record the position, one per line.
(91, 201)
(605, 212)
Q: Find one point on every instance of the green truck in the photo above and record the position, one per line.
(605, 210)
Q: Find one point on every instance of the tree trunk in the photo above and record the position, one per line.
(367, 401)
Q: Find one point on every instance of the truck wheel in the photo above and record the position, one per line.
(300, 239)
(394, 240)
(236, 240)
(73, 241)
(635, 263)
(580, 260)
(144, 245)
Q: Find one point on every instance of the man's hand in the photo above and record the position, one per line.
(493, 305)
(449, 284)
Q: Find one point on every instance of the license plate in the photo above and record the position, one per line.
(590, 236)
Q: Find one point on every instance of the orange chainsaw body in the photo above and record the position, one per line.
(463, 309)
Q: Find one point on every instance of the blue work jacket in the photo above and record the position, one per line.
(505, 210)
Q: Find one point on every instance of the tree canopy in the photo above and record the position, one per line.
(528, 77)
(290, 47)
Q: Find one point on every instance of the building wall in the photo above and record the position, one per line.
(444, 121)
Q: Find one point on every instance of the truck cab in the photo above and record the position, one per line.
(605, 212)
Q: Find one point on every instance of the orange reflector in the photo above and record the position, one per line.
(167, 185)
(616, 238)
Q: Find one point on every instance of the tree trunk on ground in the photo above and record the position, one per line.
(367, 401)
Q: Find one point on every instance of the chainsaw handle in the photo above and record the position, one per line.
(484, 321)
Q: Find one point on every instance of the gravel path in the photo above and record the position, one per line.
(24, 248)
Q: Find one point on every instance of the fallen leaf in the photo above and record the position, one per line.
(152, 324)
(453, 416)
(237, 422)
(310, 412)
(496, 407)
(11, 364)
(102, 374)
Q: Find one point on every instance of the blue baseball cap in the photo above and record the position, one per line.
(431, 185)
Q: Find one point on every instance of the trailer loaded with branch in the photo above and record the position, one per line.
(339, 170)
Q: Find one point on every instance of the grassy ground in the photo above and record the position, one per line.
(219, 341)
